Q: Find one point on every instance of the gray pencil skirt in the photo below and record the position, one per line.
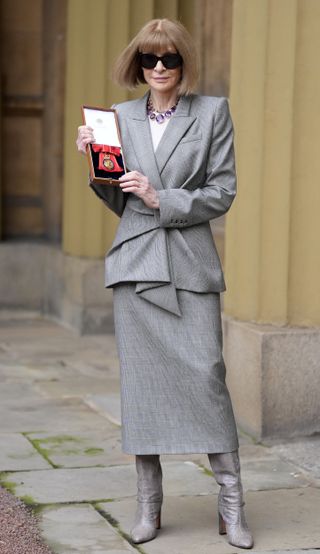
(174, 399)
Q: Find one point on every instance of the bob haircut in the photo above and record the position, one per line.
(158, 35)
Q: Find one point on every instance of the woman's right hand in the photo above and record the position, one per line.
(85, 136)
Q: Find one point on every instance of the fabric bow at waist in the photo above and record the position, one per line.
(107, 157)
(147, 264)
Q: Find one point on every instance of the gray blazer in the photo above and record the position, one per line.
(193, 170)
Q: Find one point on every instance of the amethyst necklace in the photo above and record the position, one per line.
(160, 117)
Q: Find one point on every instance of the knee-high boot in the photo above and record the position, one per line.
(149, 481)
(226, 469)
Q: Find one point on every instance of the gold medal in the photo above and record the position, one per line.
(107, 162)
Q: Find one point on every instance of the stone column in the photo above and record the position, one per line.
(94, 37)
(53, 56)
(272, 307)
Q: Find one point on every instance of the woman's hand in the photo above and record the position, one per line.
(139, 185)
(85, 136)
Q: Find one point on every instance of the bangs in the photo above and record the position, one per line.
(158, 35)
(157, 41)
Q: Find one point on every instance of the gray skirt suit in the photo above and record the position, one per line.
(166, 275)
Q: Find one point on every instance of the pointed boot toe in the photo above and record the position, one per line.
(239, 538)
(145, 529)
(143, 533)
(238, 533)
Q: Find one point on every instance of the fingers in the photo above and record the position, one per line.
(133, 181)
(132, 176)
(138, 184)
(139, 189)
(85, 137)
(131, 186)
(85, 132)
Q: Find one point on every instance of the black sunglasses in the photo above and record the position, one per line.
(170, 61)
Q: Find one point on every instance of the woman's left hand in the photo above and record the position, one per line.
(139, 185)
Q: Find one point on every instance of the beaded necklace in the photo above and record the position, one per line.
(160, 117)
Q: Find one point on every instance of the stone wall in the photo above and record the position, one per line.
(68, 288)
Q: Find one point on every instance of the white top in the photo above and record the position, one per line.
(157, 130)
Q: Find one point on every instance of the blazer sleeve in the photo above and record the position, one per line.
(112, 196)
(182, 207)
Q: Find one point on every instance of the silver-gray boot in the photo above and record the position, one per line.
(147, 520)
(226, 469)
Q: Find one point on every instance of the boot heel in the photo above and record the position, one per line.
(158, 521)
(222, 526)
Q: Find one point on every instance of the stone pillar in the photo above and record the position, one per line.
(53, 55)
(272, 307)
(94, 37)
(213, 26)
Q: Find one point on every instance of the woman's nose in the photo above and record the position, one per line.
(159, 67)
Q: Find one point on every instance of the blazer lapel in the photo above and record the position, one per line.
(140, 134)
(153, 163)
(178, 125)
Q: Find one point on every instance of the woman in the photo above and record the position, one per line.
(166, 273)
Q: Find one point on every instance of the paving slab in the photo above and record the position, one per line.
(72, 485)
(40, 414)
(56, 370)
(43, 347)
(282, 520)
(304, 453)
(107, 405)
(77, 386)
(29, 326)
(253, 451)
(80, 529)
(94, 364)
(83, 449)
(80, 352)
(18, 395)
(90, 484)
(16, 453)
(186, 478)
(272, 474)
(269, 473)
(12, 371)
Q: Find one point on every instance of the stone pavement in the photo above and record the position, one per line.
(60, 451)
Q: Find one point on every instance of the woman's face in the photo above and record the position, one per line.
(160, 79)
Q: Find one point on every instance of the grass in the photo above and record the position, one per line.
(8, 485)
(58, 444)
(93, 451)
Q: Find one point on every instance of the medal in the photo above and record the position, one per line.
(107, 162)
